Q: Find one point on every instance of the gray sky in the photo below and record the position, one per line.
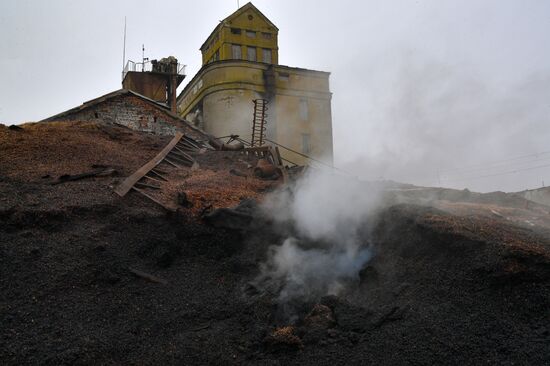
(421, 88)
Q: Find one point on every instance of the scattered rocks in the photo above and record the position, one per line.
(238, 173)
(320, 316)
(283, 339)
(318, 324)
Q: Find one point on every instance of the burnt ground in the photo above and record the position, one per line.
(446, 285)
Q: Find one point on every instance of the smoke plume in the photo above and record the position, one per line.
(323, 252)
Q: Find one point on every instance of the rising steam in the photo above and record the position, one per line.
(324, 251)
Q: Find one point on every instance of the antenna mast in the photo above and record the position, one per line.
(124, 49)
(143, 58)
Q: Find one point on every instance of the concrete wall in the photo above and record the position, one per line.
(291, 130)
(229, 112)
(132, 112)
(223, 93)
(151, 85)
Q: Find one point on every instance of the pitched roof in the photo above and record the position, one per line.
(242, 9)
(108, 96)
(122, 92)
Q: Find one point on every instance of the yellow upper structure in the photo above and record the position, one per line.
(240, 64)
(246, 34)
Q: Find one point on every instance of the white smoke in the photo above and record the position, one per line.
(325, 251)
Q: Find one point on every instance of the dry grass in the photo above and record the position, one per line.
(58, 148)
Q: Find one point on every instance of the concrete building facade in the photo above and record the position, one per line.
(240, 64)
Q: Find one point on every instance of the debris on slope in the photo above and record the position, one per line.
(90, 277)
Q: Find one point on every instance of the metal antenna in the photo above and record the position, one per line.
(124, 49)
(142, 57)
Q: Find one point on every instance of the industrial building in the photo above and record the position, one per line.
(241, 64)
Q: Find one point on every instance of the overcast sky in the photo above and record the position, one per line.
(450, 93)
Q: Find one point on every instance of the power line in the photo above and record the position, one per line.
(496, 162)
(498, 174)
(516, 165)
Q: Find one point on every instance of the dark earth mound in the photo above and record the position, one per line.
(87, 277)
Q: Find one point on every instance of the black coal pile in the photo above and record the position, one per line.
(89, 278)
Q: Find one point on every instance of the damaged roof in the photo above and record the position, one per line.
(120, 92)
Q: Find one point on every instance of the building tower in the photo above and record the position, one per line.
(156, 80)
(241, 64)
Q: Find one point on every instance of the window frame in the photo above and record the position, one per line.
(306, 143)
(266, 51)
(248, 53)
(234, 48)
(304, 109)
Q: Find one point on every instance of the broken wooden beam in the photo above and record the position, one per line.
(147, 185)
(129, 182)
(154, 179)
(94, 173)
(153, 199)
(171, 162)
(156, 172)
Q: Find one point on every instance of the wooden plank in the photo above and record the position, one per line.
(154, 171)
(278, 156)
(257, 149)
(157, 170)
(153, 199)
(154, 179)
(171, 162)
(176, 160)
(186, 156)
(191, 141)
(129, 182)
(189, 157)
(147, 185)
(187, 147)
(180, 157)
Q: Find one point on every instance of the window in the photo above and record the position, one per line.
(250, 34)
(236, 51)
(283, 76)
(251, 53)
(217, 55)
(235, 31)
(306, 143)
(304, 110)
(266, 55)
(266, 35)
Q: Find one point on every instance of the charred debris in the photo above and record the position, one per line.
(119, 246)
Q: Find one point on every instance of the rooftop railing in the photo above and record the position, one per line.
(149, 66)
